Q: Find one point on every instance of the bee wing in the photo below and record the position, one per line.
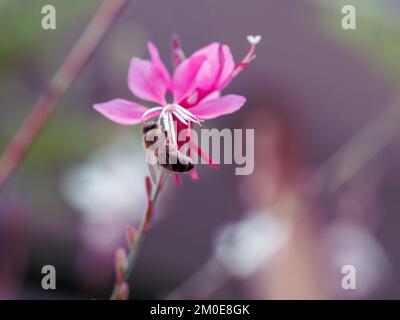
(153, 173)
(153, 166)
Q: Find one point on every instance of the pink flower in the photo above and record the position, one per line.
(195, 87)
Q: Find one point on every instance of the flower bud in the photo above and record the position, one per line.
(131, 234)
(120, 265)
(123, 292)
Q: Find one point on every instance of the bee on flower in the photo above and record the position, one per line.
(195, 87)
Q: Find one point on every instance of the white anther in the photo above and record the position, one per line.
(254, 39)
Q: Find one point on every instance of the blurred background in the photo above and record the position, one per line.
(324, 193)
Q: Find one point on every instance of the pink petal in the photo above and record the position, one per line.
(184, 80)
(146, 81)
(121, 111)
(218, 67)
(195, 98)
(209, 70)
(218, 107)
(227, 70)
(158, 64)
(213, 95)
(206, 76)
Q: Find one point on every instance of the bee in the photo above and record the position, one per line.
(163, 154)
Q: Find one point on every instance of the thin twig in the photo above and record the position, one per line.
(66, 74)
(143, 228)
(361, 148)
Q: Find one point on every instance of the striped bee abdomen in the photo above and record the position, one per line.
(174, 160)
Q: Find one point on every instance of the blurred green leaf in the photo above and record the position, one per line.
(21, 34)
(377, 36)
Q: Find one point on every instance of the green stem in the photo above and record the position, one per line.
(135, 247)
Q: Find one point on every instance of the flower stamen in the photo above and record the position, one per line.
(180, 117)
(165, 116)
(148, 112)
(253, 40)
(189, 116)
(172, 129)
